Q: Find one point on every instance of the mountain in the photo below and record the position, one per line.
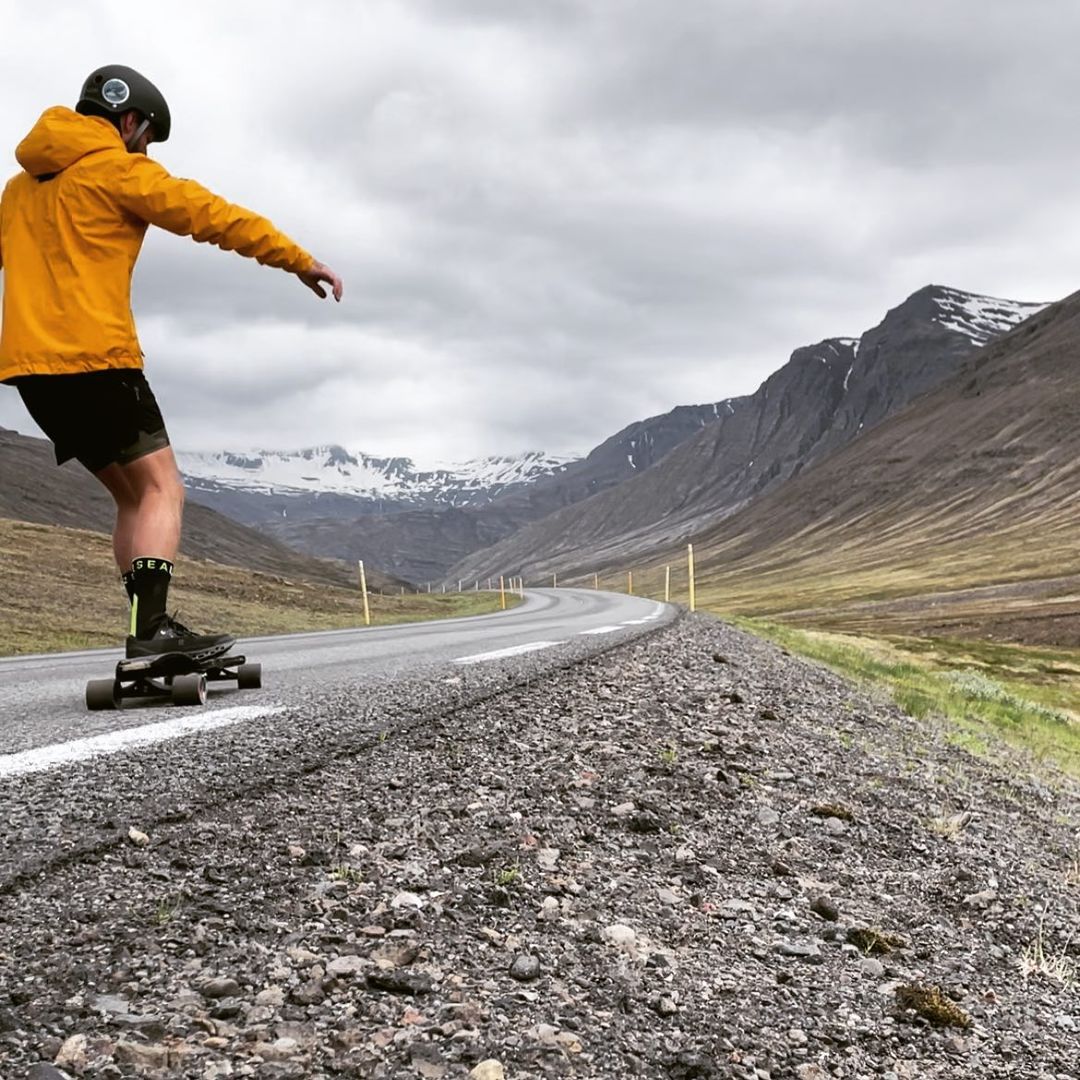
(974, 486)
(825, 396)
(33, 489)
(329, 481)
(422, 544)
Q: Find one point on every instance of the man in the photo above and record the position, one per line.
(71, 226)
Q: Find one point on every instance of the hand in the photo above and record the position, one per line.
(319, 272)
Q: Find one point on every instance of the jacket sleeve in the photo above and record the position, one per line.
(147, 190)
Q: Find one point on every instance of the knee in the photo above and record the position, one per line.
(168, 488)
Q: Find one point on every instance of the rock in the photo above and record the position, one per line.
(346, 965)
(145, 1057)
(428, 1069)
(809, 1071)
(491, 1069)
(825, 907)
(109, 1003)
(272, 997)
(311, 993)
(278, 1050)
(547, 858)
(406, 900)
(525, 968)
(72, 1054)
(666, 896)
(219, 988)
(835, 826)
(803, 950)
(666, 1006)
(623, 809)
(44, 1071)
(137, 837)
(400, 982)
(620, 935)
(874, 968)
(768, 817)
(549, 909)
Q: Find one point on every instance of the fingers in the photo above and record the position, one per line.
(318, 273)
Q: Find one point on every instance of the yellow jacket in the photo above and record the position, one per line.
(71, 227)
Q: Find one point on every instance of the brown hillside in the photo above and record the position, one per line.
(33, 489)
(975, 484)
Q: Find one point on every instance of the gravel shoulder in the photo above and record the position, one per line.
(692, 856)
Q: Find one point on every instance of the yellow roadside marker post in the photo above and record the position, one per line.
(667, 584)
(630, 582)
(690, 568)
(502, 593)
(554, 581)
(363, 591)
(596, 581)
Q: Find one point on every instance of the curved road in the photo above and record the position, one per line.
(45, 726)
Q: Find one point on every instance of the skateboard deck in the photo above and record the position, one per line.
(178, 676)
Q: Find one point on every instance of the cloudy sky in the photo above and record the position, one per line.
(554, 217)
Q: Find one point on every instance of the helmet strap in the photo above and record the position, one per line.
(133, 139)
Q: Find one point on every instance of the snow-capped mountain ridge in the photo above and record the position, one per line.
(980, 318)
(335, 470)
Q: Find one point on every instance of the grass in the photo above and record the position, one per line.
(1030, 698)
(59, 590)
(1058, 967)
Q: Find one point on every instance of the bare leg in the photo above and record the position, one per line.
(149, 497)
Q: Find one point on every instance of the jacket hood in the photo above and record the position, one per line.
(62, 136)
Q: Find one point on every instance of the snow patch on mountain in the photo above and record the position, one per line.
(981, 318)
(324, 469)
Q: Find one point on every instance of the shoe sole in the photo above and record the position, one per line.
(195, 655)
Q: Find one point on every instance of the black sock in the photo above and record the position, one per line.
(128, 579)
(150, 583)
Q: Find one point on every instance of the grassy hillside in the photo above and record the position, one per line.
(59, 590)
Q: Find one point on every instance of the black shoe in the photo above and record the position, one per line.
(171, 636)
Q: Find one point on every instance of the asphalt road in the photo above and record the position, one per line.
(44, 724)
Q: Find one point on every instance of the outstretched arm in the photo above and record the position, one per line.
(186, 208)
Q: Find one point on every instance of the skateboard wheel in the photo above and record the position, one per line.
(101, 694)
(189, 690)
(249, 676)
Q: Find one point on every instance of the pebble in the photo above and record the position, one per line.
(621, 935)
(347, 965)
(825, 907)
(44, 1071)
(490, 1069)
(525, 968)
(219, 988)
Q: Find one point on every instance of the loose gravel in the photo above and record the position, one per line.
(693, 856)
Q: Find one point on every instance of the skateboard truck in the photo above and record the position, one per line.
(177, 676)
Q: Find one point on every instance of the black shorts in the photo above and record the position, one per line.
(98, 417)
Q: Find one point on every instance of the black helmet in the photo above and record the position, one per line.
(114, 89)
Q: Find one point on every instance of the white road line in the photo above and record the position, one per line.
(42, 758)
(637, 622)
(600, 630)
(514, 650)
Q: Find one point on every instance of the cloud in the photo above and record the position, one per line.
(556, 217)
